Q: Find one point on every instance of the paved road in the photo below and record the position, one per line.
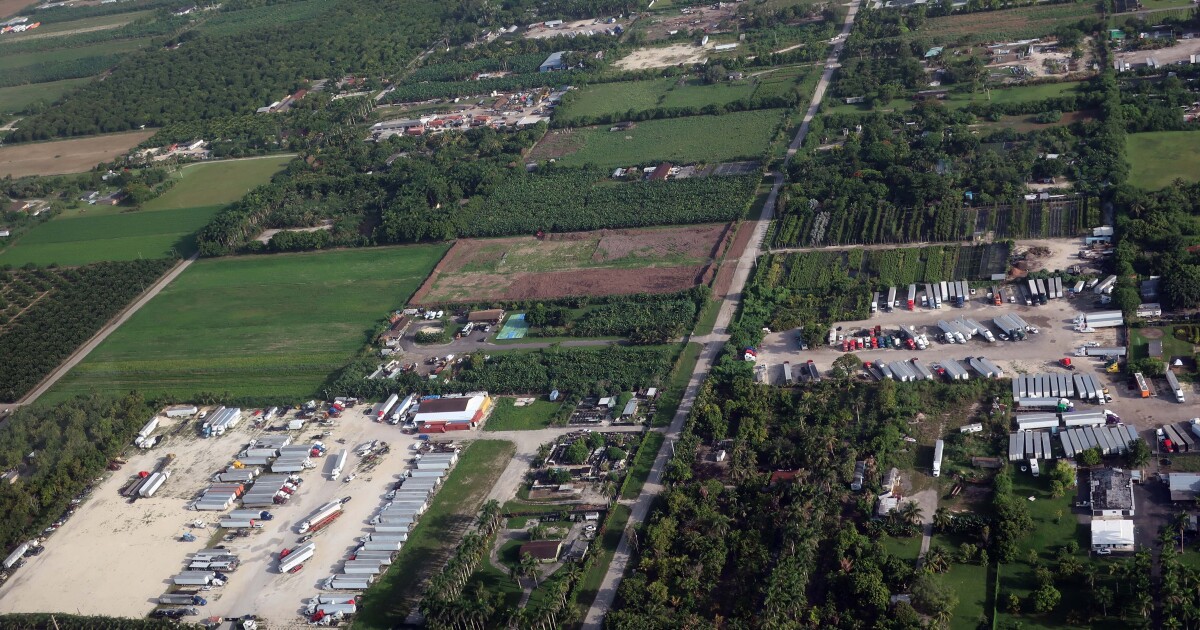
(82, 352)
(712, 345)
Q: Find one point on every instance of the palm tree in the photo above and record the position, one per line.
(529, 567)
(911, 513)
(937, 560)
(942, 519)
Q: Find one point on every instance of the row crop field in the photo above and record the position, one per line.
(631, 97)
(66, 156)
(263, 17)
(958, 100)
(1005, 24)
(693, 139)
(258, 326)
(18, 97)
(882, 224)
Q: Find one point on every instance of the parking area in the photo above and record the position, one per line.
(116, 558)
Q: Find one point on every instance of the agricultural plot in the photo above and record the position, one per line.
(880, 225)
(708, 139)
(58, 29)
(608, 262)
(262, 17)
(1006, 25)
(958, 100)
(129, 236)
(1160, 157)
(66, 156)
(217, 183)
(18, 97)
(681, 93)
(267, 326)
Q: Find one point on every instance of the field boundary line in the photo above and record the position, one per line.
(81, 352)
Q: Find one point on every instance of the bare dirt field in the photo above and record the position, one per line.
(706, 19)
(575, 28)
(664, 56)
(724, 279)
(604, 262)
(12, 7)
(1181, 51)
(66, 156)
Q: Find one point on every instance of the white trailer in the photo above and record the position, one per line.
(322, 513)
(1030, 422)
(937, 458)
(1173, 384)
(382, 546)
(297, 557)
(339, 464)
(194, 578)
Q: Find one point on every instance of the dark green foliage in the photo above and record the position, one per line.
(1157, 231)
(463, 70)
(81, 301)
(57, 70)
(71, 444)
(40, 621)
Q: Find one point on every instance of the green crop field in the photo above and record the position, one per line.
(957, 100)
(10, 62)
(708, 139)
(606, 99)
(1004, 25)
(17, 98)
(100, 22)
(128, 236)
(262, 326)
(1158, 158)
(271, 15)
(217, 183)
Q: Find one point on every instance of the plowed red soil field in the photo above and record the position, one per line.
(604, 262)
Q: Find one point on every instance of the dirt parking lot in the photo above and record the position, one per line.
(138, 543)
(664, 56)
(1180, 52)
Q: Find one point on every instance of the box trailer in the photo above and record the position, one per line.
(1174, 386)
(912, 297)
(1142, 385)
(937, 458)
(194, 578)
(891, 298)
(382, 546)
(875, 302)
(1030, 422)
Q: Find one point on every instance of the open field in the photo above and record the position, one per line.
(1158, 158)
(958, 100)
(453, 509)
(66, 156)
(113, 47)
(12, 7)
(604, 262)
(17, 98)
(128, 236)
(217, 183)
(707, 139)
(58, 29)
(672, 391)
(662, 56)
(267, 326)
(1005, 25)
(617, 98)
(508, 417)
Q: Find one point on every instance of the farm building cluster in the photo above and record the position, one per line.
(498, 110)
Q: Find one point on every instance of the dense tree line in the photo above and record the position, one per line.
(642, 318)
(212, 76)
(71, 443)
(57, 70)
(1155, 232)
(40, 621)
(70, 314)
(463, 70)
(573, 371)
(145, 27)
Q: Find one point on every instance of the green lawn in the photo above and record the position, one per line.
(508, 417)
(20, 60)
(958, 100)
(1158, 158)
(639, 468)
(222, 182)
(907, 548)
(970, 583)
(1139, 344)
(672, 394)
(387, 603)
(268, 327)
(128, 236)
(619, 98)
(708, 139)
(16, 98)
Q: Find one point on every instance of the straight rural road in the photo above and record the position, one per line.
(712, 345)
(82, 352)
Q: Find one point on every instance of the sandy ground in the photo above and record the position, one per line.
(1064, 252)
(12, 7)
(66, 156)
(664, 56)
(578, 27)
(265, 237)
(1181, 51)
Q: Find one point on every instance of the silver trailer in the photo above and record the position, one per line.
(1016, 447)
(371, 569)
(954, 370)
(194, 578)
(1068, 449)
(891, 298)
(382, 546)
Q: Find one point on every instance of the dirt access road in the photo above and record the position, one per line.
(712, 346)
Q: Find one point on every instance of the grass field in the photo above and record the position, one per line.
(66, 156)
(906, 548)
(635, 96)
(507, 417)
(639, 468)
(1158, 158)
(672, 394)
(957, 100)
(129, 236)
(707, 139)
(454, 507)
(217, 183)
(266, 326)
(1004, 26)
(970, 583)
(117, 46)
(1171, 346)
(17, 98)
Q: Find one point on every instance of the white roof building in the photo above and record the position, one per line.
(1113, 534)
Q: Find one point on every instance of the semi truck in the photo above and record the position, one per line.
(937, 458)
(912, 297)
(387, 405)
(1173, 383)
(1060, 405)
(339, 464)
(187, 599)
(401, 409)
(289, 559)
(891, 299)
(787, 373)
(325, 515)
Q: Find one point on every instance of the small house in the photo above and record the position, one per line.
(554, 62)
(1115, 535)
